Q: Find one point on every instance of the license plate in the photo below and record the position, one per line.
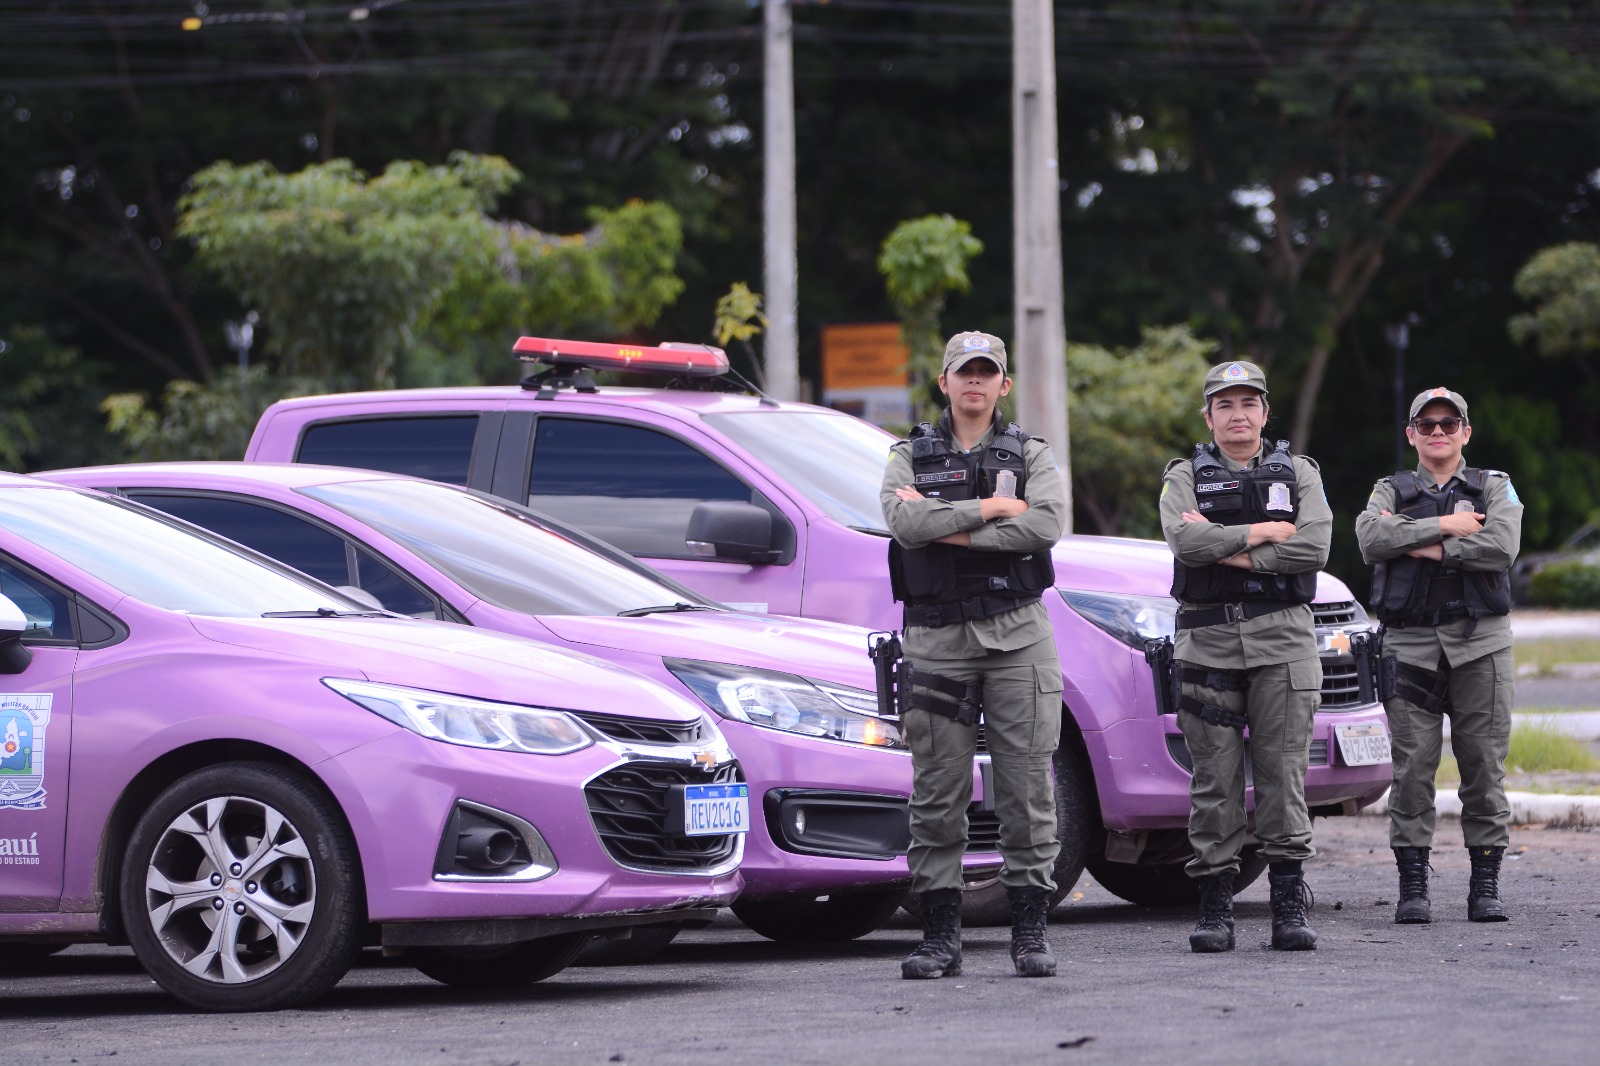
(715, 810)
(1363, 745)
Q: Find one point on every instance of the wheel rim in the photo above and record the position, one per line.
(230, 889)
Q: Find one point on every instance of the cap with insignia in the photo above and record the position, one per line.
(1226, 375)
(1443, 395)
(965, 347)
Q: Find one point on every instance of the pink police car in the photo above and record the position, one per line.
(829, 779)
(247, 776)
(773, 507)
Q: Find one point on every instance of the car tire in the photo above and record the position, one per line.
(806, 920)
(646, 943)
(500, 966)
(225, 920)
(1165, 884)
(984, 901)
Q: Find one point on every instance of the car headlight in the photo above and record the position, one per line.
(466, 721)
(788, 702)
(1131, 619)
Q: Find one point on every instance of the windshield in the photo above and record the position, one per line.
(156, 561)
(835, 460)
(503, 553)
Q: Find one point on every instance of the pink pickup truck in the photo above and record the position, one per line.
(773, 507)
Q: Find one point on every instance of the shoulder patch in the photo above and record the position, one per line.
(1511, 491)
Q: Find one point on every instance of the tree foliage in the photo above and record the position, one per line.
(1563, 284)
(1132, 409)
(923, 261)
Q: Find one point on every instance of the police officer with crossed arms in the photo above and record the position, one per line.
(1249, 527)
(1442, 539)
(975, 505)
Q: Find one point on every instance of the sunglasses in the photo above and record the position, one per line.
(1426, 426)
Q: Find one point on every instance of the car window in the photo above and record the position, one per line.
(833, 460)
(288, 538)
(437, 448)
(500, 552)
(141, 555)
(47, 609)
(628, 485)
(302, 543)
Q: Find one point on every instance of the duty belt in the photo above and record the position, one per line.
(1229, 612)
(1218, 680)
(944, 614)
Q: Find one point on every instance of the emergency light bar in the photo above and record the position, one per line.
(689, 360)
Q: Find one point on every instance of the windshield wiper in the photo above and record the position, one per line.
(325, 612)
(665, 608)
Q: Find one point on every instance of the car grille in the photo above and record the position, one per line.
(642, 730)
(983, 829)
(1341, 683)
(629, 808)
(1178, 748)
(1336, 613)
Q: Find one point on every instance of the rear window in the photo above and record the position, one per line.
(436, 448)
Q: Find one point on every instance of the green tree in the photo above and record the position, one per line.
(1132, 409)
(739, 317)
(1563, 284)
(923, 261)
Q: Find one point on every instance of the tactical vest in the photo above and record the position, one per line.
(944, 583)
(1407, 591)
(1267, 492)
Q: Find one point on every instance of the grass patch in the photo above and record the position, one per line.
(1537, 747)
(1541, 656)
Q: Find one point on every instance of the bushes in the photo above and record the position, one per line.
(1571, 584)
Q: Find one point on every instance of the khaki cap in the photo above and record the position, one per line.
(965, 347)
(1427, 396)
(1227, 375)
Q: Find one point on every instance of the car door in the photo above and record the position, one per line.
(301, 541)
(36, 740)
(636, 486)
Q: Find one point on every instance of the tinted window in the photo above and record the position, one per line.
(835, 461)
(47, 609)
(393, 591)
(631, 486)
(436, 448)
(306, 547)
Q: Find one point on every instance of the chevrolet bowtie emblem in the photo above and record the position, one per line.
(705, 759)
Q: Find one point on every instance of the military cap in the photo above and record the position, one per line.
(1226, 375)
(965, 347)
(1427, 396)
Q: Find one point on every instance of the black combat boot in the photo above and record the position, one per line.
(1483, 894)
(1030, 951)
(1214, 931)
(939, 954)
(1413, 908)
(1291, 898)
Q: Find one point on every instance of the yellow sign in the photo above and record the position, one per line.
(863, 356)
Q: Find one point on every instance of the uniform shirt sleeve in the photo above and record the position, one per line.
(1194, 543)
(1382, 537)
(918, 523)
(1041, 525)
(1307, 550)
(1495, 545)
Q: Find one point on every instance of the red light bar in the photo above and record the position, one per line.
(693, 360)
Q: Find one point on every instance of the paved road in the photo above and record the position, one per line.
(1451, 993)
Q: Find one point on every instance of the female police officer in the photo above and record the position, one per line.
(1442, 539)
(1249, 527)
(975, 506)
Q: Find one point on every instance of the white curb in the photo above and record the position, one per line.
(1527, 808)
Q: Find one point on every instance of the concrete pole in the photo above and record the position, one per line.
(781, 298)
(1039, 346)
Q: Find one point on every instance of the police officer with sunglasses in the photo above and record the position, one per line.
(1441, 540)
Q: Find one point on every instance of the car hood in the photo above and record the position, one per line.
(1139, 568)
(822, 650)
(444, 657)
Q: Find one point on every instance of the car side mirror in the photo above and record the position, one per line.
(731, 530)
(14, 655)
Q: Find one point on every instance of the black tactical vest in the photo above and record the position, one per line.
(1408, 591)
(984, 583)
(1267, 492)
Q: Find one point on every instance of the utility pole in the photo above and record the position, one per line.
(1040, 337)
(781, 352)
